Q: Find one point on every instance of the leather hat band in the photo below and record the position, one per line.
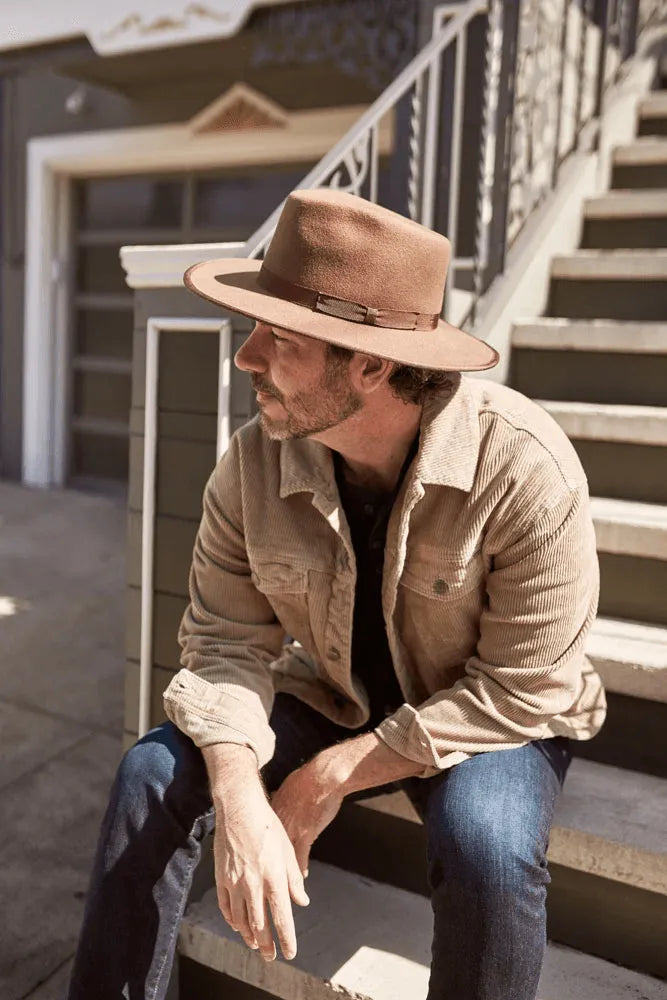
(353, 312)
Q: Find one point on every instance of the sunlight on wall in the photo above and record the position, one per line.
(11, 606)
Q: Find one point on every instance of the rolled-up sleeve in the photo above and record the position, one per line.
(542, 593)
(229, 633)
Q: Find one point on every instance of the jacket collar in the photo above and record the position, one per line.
(448, 448)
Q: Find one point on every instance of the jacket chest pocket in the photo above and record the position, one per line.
(442, 576)
(440, 602)
(286, 589)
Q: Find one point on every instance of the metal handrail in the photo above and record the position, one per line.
(425, 60)
(508, 190)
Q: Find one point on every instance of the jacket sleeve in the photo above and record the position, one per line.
(542, 594)
(229, 633)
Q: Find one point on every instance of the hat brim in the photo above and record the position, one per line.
(232, 282)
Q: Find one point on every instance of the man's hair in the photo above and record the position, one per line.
(412, 385)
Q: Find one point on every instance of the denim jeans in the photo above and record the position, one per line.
(487, 822)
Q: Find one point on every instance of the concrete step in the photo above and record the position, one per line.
(609, 284)
(606, 857)
(631, 658)
(597, 361)
(594, 421)
(626, 527)
(596, 335)
(652, 114)
(626, 219)
(640, 164)
(364, 940)
(621, 447)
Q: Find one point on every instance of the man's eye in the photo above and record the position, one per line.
(276, 337)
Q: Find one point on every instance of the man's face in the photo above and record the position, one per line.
(301, 391)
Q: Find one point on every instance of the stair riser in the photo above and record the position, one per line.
(636, 175)
(623, 470)
(630, 930)
(607, 298)
(652, 126)
(632, 587)
(633, 736)
(196, 982)
(590, 377)
(626, 234)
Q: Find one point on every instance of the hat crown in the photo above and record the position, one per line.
(341, 245)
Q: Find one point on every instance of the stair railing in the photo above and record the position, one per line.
(353, 163)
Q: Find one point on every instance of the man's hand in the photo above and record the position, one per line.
(309, 798)
(256, 871)
(306, 803)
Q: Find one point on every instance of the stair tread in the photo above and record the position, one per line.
(642, 151)
(623, 336)
(630, 527)
(627, 204)
(631, 657)
(653, 105)
(610, 421)
(365, 940)
(645, 264)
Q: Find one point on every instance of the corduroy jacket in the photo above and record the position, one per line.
(490, 587)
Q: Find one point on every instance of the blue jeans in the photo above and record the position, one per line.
(487, 823)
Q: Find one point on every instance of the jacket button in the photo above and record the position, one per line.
(333, 653)
(440, 586)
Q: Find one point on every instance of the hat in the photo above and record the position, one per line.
(349, 272)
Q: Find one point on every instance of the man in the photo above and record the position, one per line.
(392, 581)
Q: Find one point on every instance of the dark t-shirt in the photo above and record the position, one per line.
(368, 512)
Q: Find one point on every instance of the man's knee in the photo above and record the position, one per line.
(478, 845)
(163, 759)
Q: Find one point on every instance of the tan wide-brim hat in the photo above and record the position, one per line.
(349, 272)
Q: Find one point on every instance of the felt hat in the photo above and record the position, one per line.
(350, 272)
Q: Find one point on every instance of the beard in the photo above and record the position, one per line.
(314, 410)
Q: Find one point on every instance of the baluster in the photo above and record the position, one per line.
(488, 145)
(374, 164)
(455, 156)
(415, 148)
(431, 138)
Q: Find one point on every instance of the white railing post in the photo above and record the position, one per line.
(154, 327)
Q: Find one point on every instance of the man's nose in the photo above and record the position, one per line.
(250, 357)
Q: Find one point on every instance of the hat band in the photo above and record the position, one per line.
(353, 312)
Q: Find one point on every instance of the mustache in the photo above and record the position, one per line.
(262, 387)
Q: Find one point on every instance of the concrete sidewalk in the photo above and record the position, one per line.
(62, 637)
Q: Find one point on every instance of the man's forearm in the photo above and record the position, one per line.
(360, 763)
(230, 765)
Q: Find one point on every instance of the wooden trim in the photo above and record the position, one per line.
(52, 162)
(306, 135)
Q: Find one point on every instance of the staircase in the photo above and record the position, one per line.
(598, 363)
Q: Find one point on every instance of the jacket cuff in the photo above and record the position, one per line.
(405, 733)
(209, 715)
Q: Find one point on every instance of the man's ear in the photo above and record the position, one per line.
(372, 372)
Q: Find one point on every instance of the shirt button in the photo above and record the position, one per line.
(333, 653)
(369, 509)
(440, 586)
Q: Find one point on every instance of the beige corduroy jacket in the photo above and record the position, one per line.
(490, 587)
